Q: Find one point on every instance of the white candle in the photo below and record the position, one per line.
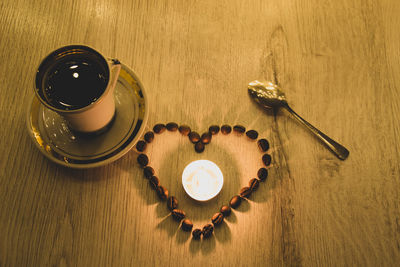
(202, 180)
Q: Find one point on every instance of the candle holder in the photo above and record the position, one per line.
(202, 180)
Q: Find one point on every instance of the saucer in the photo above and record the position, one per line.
(51, 135)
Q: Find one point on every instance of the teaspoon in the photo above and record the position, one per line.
(270, 95)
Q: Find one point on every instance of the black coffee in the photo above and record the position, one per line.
(74, 82)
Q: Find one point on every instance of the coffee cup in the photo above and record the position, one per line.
(78, 83)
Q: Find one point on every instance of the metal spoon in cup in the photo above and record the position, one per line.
(270, 95)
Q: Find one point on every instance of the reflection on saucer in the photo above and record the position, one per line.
(56, 141)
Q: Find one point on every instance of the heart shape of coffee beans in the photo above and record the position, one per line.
(200, 142)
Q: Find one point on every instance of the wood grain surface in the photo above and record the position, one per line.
(338, 62)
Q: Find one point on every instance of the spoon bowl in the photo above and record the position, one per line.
(270, 95)
(267, 94)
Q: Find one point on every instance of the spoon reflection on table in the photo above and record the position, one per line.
(269, 95)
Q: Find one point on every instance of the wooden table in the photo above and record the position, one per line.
(338, 62)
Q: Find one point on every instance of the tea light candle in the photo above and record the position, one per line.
(202, 180)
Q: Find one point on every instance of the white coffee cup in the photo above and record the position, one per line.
(91, 117)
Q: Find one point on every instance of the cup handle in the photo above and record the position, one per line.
(115, 68)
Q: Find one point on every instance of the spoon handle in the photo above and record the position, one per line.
(340, 151)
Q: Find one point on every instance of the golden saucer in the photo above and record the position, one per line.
(54, 139)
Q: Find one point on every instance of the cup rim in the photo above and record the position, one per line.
(65, 48)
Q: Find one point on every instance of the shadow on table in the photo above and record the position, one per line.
(221, 234)
(83, 175)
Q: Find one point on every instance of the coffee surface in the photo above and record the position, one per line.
(74, 83)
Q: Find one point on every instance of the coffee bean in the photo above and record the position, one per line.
(226, 129)
(217, 218)
(159, 128)
(225, 210)
(141, 146)
(143, 160)
(266, 158)
(262, 174)
(172, 126)
(235, 201)
(194, 137)
(187, 225)
(252, 134)
(149, 137)
(154, 182)
(245, 192)
(199, 147)
(253, 184)
(178, 214)
(207, 230)
(196, 234)
(148, 172)
(184, 130)
(239, 129)
(214, 129)
(206, 138)
(172, 203)
(162, 192)
(263, 145)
